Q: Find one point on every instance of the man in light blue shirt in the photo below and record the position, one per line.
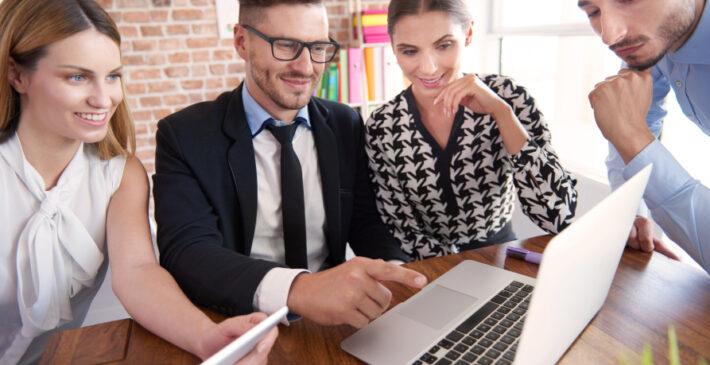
(666, 43)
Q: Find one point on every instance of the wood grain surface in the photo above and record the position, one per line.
(649, 293)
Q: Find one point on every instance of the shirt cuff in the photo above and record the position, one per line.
(667, 176)
(396, 262)
(272, 292)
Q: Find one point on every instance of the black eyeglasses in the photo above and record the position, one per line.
(287, 49)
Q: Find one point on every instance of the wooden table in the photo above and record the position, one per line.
(649, 293)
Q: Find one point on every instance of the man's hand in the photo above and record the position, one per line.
(642, 238)
(620, 105)
(220, 335)
(348, 293)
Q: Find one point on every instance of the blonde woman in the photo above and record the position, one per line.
(72, 192)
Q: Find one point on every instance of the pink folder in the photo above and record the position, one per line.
(355, 74)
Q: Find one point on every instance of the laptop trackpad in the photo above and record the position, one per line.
(437, 307)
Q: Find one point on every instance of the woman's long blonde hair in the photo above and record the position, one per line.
(29, 27)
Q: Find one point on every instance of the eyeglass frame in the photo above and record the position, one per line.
(301, 43)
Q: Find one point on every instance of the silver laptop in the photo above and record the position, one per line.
(480, 314)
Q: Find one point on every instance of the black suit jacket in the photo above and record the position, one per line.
(206, 196)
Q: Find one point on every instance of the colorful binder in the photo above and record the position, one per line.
(354, 75)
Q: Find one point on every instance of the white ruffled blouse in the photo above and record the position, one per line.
(52, 243)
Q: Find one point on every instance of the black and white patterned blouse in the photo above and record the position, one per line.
(435, 199)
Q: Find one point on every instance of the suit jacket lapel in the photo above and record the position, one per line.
(240, 158)
(327, 149)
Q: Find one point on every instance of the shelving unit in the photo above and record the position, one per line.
(355, 7)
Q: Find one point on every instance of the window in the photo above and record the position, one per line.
(552, 51)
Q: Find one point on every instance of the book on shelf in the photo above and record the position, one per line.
(374, 11)
(377, 38)
(343, 76)
(370, 72)
(371, 19)
(332, 93)
(328, 87)
(374, 30)
(354, 75)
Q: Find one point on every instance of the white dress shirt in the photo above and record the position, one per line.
(268, 243)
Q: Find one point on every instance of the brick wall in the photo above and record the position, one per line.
(173, 57)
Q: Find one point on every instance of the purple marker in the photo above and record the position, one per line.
(523, 254)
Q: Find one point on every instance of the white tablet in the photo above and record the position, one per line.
(238, 348)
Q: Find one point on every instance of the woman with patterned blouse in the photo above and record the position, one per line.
(448, 153)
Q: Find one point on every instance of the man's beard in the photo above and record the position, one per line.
(673, 28)
(264, 80)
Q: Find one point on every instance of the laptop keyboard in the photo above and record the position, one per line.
(489, 336)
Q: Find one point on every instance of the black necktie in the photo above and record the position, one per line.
(293, 211)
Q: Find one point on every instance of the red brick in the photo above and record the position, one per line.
(217, 69)
(234, 81)
(175, 99)
(151, 101)
(133, 3)
(151, 31)
(144, 44)
(191, 84)
(222, 55)
(211, 95)
(227, 43)
(150, 169)
(203, 42)
(136, 16)
(234, 68)
(128, 31)
(187, 14)
(177, 29)
(135, 88)
(156, 59)
(143, 115)
(132, 103)
(344, 23)
(201, 56)
(206, 29)
(140, 128)
(159, 15)
(133, 60)
(106, 4)
(145, 74)
(177, 71)
(169, 44)
(145, 153)
(159, 114)
(179, 57)
(178, 3)
(199, 70)
(201, 2)
(209, 14)
(159, 87)
(125, 47)
(342, 36)
(115, 15)
(215, 83)
(196, 98)
(144, 141)
(335, 9)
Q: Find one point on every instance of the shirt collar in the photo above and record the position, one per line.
(696, 50)
(256, 115)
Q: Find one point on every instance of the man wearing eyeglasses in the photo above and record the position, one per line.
(257, 192)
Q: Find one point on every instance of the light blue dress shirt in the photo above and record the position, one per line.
(677, 202)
